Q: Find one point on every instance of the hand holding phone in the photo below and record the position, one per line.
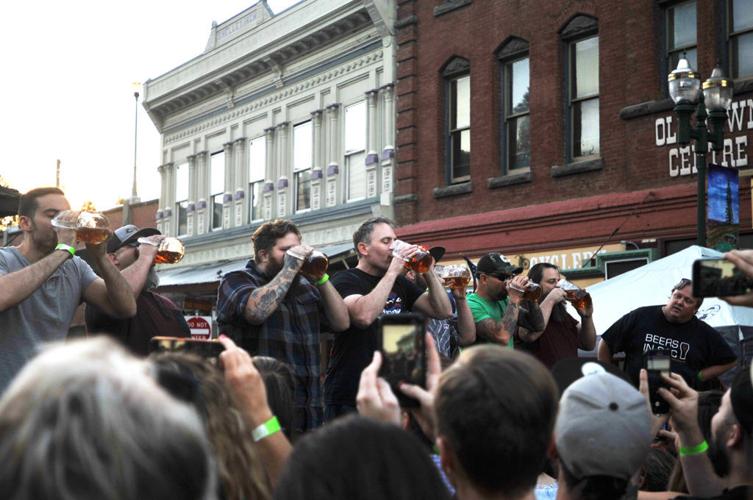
(656, 365)
(719, 278)
(403, 348)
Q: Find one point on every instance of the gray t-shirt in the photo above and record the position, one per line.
(44, 316)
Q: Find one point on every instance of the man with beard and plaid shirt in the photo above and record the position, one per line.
(272, 309)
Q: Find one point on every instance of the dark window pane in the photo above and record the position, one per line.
(303, 190)
(586, 128)
(461, 154)
(691, 55)
(742, 15)
(519, 139)
(182, 210)
(742, 56)
(254, 201)
(217, 212)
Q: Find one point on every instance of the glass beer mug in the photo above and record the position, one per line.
(169, 251)
(314, 266)
(418, 262)
(453, 277)
(532, 290)
(92, 228)
(578, 297)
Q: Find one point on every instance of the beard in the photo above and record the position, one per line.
(718, 455)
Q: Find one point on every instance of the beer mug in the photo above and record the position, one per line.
(314, 266)
(169, 251)
(532, 290)
(578, 297)
(453, 276)
(419, 262)
(91, 227)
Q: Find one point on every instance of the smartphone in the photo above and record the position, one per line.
(719, 278)
(656, 366)
(403, 346)
(204, 348)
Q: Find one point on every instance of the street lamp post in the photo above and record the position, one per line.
(710, 105)
(136, 88)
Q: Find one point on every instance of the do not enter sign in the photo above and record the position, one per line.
(200, 326)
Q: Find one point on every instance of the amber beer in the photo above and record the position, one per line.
(315, 265)
(420, 262)
(92, 235)
(169, 251)
(580, 299)
(456, 282)
(532, 291)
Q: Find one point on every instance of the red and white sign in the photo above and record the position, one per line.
(200, 326)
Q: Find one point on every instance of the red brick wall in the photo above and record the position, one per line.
(142, 214)
(630, 73)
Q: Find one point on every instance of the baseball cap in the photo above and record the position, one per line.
(437, 253)
(603, 427)
(741, 397)
(496, 264)
(128, 234)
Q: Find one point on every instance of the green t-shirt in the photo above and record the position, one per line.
(484, 309)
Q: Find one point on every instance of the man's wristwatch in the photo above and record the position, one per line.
(67, 248)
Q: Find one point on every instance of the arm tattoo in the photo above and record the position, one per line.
(510, 320)
(487, 329)
(536, 317)
(264, 300)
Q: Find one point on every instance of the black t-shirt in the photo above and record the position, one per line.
(354, 348)
(692, 346)
(737, 493)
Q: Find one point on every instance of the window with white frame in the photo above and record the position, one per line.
(741, 38)
(303, 139)
(217, 188)
(355, 151)
(181, 198)
(257, 163)
(681, 34)
(584, 97)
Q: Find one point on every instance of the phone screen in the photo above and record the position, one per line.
(403, 350)
(203, 348)
(656, 366)
(719, 278)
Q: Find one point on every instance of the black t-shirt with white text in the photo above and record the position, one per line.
(693, 345)
(354, 348)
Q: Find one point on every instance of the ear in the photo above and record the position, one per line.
(551, 451)
(24, 223)
(362, 248)
(113, 258)
(447, 458)
(734, 437)
(263, 256)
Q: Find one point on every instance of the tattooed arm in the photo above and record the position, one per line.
(264, 300)
(500, 332)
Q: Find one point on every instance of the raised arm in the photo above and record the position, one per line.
(466, 325)
(136, 274)
(334, 308)
(364, 309)
(434, 302)
(17, 286)
(111, 292)
(265, 300)
(546, 307)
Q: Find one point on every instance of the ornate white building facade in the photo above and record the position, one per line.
(283, 116)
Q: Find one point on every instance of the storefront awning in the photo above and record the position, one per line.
(214, 271)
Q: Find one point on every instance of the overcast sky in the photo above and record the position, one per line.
(68, 69)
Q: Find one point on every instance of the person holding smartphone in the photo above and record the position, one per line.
(272, 309)
(697, 351)
(377, 285)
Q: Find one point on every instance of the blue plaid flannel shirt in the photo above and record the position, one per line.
(290, 334)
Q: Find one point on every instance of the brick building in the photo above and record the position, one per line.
(544, 129)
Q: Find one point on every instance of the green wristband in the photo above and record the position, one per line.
(689, 451)
(67, 248)
(266, 429)
(699, 376)
(322, 280)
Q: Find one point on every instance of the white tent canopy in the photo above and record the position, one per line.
(652, 284)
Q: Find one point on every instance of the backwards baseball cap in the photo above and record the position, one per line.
(128, 234)
(603, 427)
(495, 264)
(741, 397)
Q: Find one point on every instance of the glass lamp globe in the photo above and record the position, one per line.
(684, 84)
(717, 91)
